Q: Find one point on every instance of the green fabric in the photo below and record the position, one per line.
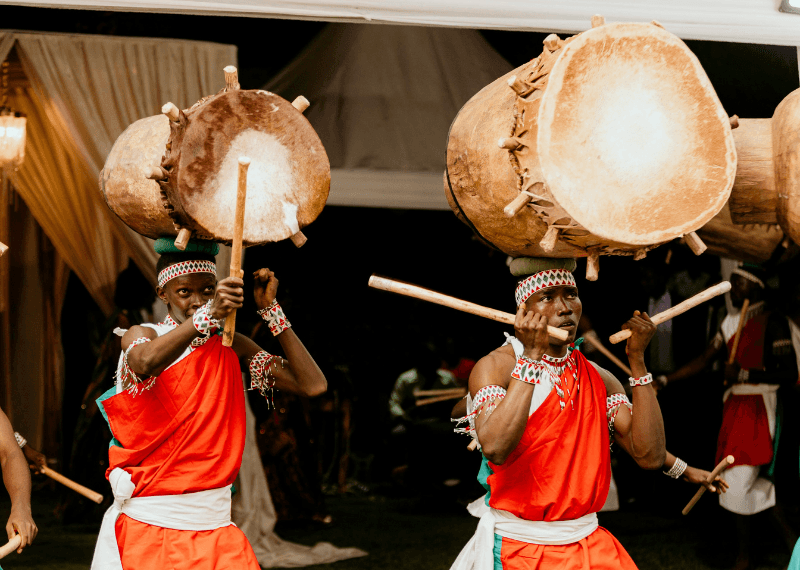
(577, 344)
(498, 549)
(106, 395)
(530, 265)
(167, 245)
(483, 476)
(794, 563)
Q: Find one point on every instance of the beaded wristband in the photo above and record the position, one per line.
(275, 318)
(641, 381)
(21, 441)
(528, 370)
(677, 469)
(131, 380)
(204, 322)
(260, 374)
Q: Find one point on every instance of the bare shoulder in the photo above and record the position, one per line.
(613, 385)
(493, 369)
(137, 332)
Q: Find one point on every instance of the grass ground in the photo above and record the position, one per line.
(411, 533)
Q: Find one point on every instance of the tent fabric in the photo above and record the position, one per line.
(748, 21)
(80, 92)
(382, 101)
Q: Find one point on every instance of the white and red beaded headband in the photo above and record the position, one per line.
(749, 276)
(185, 268)
(543, 280)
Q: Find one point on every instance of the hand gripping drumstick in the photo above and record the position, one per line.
(678, 309)
(724, 464)
(11, 546)
(739, 327)
(236, 246)
(409, 290)
(77, 487)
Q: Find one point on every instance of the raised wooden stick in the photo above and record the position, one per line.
(11, 546)
(236, 246)
(409, 290)
(724, 464)
(592, 338)
(77, 487)
(739, 327)
(443, 392)
(678, 309)
(427, 401)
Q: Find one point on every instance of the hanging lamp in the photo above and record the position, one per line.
(12, 128)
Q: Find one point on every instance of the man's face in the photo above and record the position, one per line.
(742, 289)
(562, 307)
(184, 295)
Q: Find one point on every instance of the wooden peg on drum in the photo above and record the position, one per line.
(171, 111)
(598, 20)
(156, 173)
(231, 78)
(236, 246)
(593, 265)
(695, 243)
(517, 204)
(549, 240)
(301, 103)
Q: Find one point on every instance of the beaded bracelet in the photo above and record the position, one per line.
(528, 370)
(275, 318)
(260, 377)
(204, 322)
(21, 441)
(677, 469)
(641, 381)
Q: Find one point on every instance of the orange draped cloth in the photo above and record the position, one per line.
(186, 434)
(561, 470)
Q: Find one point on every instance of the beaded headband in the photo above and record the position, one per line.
(749, 276)
(543, 280)
(185, 268)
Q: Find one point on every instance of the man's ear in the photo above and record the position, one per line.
(162, 294)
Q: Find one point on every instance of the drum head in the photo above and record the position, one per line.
(632, 139)
(288, 179)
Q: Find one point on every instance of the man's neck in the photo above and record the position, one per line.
(557, 351)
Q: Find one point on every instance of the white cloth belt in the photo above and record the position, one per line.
(478, 554)
(204, 510)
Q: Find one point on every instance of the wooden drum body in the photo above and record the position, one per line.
(169, 173)
(611, 142)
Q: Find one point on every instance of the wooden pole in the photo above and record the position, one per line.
(427, 401)
(739, 327)
(678, 309)
(236, 246)
(592, 338)
(409, 290)
(11, 546)
(443, 392)
(717, 470)
(77, 487)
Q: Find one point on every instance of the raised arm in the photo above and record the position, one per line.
(298, 374)
(17, 479)
(500, 426)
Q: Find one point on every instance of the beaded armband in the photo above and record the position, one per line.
(261, 378)
(642, 381)
(528, 370)
(129, 379)
(21, 441)
(492, 395)
(275, 318)
(677, 468)
(202, 320)
(613, 405)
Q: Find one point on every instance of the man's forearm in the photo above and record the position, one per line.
(309, 377)
(500, 432)
(152, 358)
(647, 425)
(17, 479)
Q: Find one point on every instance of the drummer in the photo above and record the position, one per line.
(177, 417)
(544, 417)
(17, 480)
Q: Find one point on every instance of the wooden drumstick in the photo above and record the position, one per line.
(427, 401)
(443, 392)
(236, 246)
(717, 470)
(409, 290)
(739, 327)
(473, 445)
(678, 309)
(3, 248)
(11, 546)
(77, 487)
(592, 338)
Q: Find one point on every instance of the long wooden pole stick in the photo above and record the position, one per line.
(717, 470)
(678, 309)
(11, 546)
(739, 327)
(592, 338)
(236, 246)
(409, 290)
(440, 392)
(427, 401)
(77, 487)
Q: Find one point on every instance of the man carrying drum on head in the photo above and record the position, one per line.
(544, 417)
(177, 416)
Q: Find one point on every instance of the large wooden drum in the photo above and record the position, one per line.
(178, 171)
(611, 142)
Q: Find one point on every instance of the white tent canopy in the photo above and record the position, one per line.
(747, 21)
(382, 100)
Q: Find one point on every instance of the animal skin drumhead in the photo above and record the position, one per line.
(288, 179)
(633, 141)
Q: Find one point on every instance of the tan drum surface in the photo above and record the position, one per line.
(622, 145)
